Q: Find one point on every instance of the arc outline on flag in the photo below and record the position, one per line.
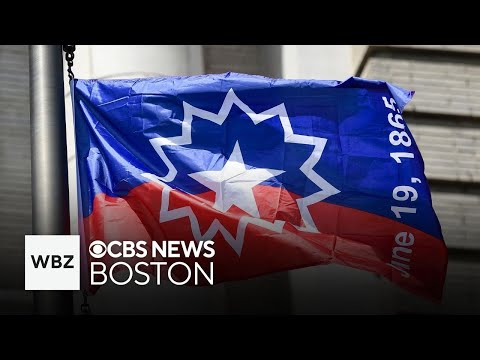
(289, 137)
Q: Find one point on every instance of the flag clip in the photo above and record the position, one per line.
(69, 56)
(85, 307)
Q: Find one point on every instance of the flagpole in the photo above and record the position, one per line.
(49, 161)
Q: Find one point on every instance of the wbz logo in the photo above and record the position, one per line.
(52, 262)
(56, 261)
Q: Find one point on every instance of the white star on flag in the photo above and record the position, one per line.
(233, 185)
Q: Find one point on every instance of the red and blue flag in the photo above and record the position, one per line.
(280, 174)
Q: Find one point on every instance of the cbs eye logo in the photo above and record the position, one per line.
(97, 249)
(116, 249)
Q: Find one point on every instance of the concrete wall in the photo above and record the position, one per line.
(15, 177)
(324, 62)
(444, 84)
(234, 58)
(450, 147)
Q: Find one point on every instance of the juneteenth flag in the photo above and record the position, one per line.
(280, 174)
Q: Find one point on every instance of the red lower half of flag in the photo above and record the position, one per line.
(246, 246)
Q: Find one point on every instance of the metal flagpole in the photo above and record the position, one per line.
(49, 161)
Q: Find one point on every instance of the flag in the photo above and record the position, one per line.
(280, 174)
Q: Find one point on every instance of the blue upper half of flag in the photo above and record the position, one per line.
(322, 138)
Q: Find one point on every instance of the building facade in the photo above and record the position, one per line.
(15, 182)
